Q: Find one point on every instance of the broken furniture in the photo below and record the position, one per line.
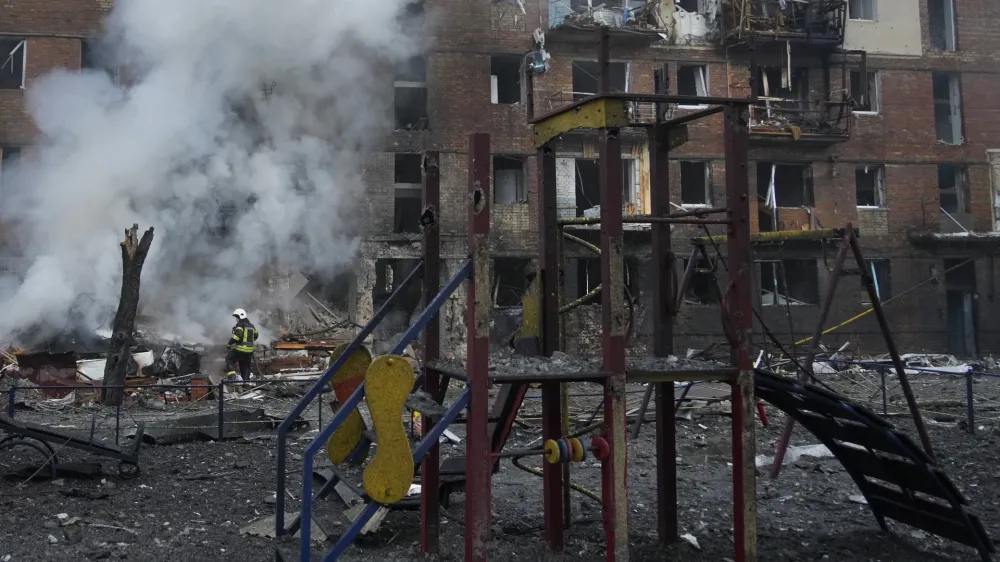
(42, 439)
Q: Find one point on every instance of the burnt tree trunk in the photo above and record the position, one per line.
(134, 253)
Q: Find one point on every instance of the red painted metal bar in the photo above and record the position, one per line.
(664, 314)
(478, 463)
(738, 314)
(831, 290)
(615, 499)
(430, 512)
(548, 262)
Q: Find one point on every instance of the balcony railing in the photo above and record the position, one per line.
(563, 13)
(816, 21)
(641, 114)
(825, 122)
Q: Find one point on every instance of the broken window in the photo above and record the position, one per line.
(509, 180)
(692, 80)
(796, 283)
(869, 185)
(505, 78)
(588, 186)
(630, 191)
(784, 185)
(9, 155)
(94, 57)
(510, 281)
(947, 107)
(953, 186)
(585, 78)
(777, 84)
(696, 183)
(408, 193)
(941, 19)
(389, 275)
(861, 10)
(410, 96)
(880, 272)
(702, 287)
(13, 57)
(869, 103)
(588, 275)
(692, 6)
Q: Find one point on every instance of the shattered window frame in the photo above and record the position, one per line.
(944, 38)
(868, 9)
(407, 82)
(808, 196)
(13, 62)
(507, 294)
(701, 72)
(949, 108)
(521, 180)
(953, 186)
(792, 295)
(706, 187)
(873, 105)
(877, 188)
(583, 65)
(498, 61)
(8, 156)
(406, 214)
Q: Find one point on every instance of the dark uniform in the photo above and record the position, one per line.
(241, 348)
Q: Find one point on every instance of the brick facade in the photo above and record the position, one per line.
(900, 137)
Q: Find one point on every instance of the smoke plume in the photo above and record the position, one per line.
(241, 138)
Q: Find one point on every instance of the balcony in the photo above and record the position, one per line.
(775, 22)
(631, 23)
(779, 121)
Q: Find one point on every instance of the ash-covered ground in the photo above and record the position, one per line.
(192, 499)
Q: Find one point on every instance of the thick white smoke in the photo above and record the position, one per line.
(267, 109)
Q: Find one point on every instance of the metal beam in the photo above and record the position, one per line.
(664, 315)
(778, 236)
(596, 114)
(548, 262)
(644, 98)
(739, 319)
(613, 473)
(479, 464)
(430, 514)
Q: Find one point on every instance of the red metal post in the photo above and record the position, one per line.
(738, 304)
(548, 262)
(429, 467)
(478, 463)
(613, 474)
(664, 313)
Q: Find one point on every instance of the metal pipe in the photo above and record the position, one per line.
(582, 242)
(890, 343)
(581, 301)
(642, 219)
(430, 511)
(970, 406)
(222, 407)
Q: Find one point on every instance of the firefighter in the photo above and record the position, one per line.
(241, 346)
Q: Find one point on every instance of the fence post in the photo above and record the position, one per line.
(222, 406)
(11, 400)
(118, 420)
(969, 405)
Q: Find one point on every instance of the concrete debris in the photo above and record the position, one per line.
(795, 453)
(264, 527)
(691, 540)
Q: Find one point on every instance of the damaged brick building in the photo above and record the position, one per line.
(877, 113)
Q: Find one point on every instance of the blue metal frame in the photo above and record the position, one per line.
(305, 518)
(286, 425)
(422, 449)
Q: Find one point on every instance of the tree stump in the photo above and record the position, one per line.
(134, 253)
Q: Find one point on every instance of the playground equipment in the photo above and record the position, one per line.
(390, 387)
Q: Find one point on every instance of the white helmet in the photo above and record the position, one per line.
(240, 313)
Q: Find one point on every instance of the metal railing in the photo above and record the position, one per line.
(796, 119)
(814, 21)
